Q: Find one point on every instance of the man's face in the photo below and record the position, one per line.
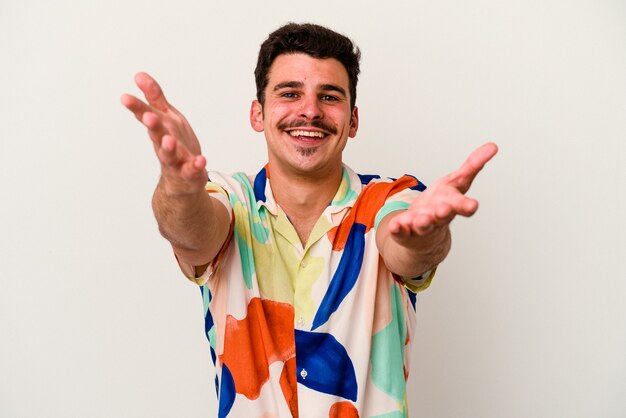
(306, 117)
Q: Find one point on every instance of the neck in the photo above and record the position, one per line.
(303, 197)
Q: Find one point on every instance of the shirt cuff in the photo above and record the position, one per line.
(417, 284)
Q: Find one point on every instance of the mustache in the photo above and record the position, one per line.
(299, 123)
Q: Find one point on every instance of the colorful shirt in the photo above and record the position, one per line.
(318, 330)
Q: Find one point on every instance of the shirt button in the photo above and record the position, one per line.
(300, 321)
(303, 373)
(303, 264)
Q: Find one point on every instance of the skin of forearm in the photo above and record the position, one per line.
(412, 257)
(190, 223)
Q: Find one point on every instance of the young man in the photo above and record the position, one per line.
(308, 270)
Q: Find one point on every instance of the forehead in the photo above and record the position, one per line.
(304, 68)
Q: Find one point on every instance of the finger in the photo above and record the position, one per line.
(153, 122)
(440, 214)
(468, 207)
(397, 226)
(411, 223)
(167, 151)
(463, 177)
(443, 211)
(136, 106)
(146, 116)
(174, 154)
(152, 91)
(156, 130)
(455, 204)
(194, 169)
(423, 223)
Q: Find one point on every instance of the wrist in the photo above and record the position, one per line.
(177, 188)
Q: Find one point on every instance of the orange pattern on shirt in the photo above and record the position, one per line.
(367, 205)
(288, 383)
(251, 344)
(343, 409)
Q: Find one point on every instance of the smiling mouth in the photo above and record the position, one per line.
(308, 130)
(307, 134)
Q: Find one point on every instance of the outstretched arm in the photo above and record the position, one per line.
(195, 224)
(416, 240)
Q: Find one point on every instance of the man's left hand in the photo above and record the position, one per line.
(434, 209)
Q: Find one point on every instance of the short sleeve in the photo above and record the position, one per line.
(398, 201)
(420, 283)
(220, 194)
(410, 189)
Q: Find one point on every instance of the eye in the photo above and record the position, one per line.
(289, 95)
(328, 98)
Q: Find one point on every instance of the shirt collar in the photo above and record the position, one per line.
(346, 194)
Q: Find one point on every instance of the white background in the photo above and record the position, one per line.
(527, 317)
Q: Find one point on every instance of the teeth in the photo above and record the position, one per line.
(308, 133)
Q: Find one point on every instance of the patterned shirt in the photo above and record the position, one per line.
(318, 330)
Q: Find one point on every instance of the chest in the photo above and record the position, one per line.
(303, 227)
(312, 312)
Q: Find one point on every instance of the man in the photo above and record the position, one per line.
(308, 271)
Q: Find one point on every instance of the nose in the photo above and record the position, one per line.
(310, 108)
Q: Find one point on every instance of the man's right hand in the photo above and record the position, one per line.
(176, 145)
(194, 223)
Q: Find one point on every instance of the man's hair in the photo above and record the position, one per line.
(314, 40)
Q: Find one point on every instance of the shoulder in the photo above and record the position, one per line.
(228, 182)
(407, 181)
(381, 195)
(237, 186)
(376, 188)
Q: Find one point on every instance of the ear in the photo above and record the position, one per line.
(354, 122)
(256, 116)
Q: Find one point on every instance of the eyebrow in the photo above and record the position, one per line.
(288, 85)
(299, 85)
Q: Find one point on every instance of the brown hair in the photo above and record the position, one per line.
(314, 40)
